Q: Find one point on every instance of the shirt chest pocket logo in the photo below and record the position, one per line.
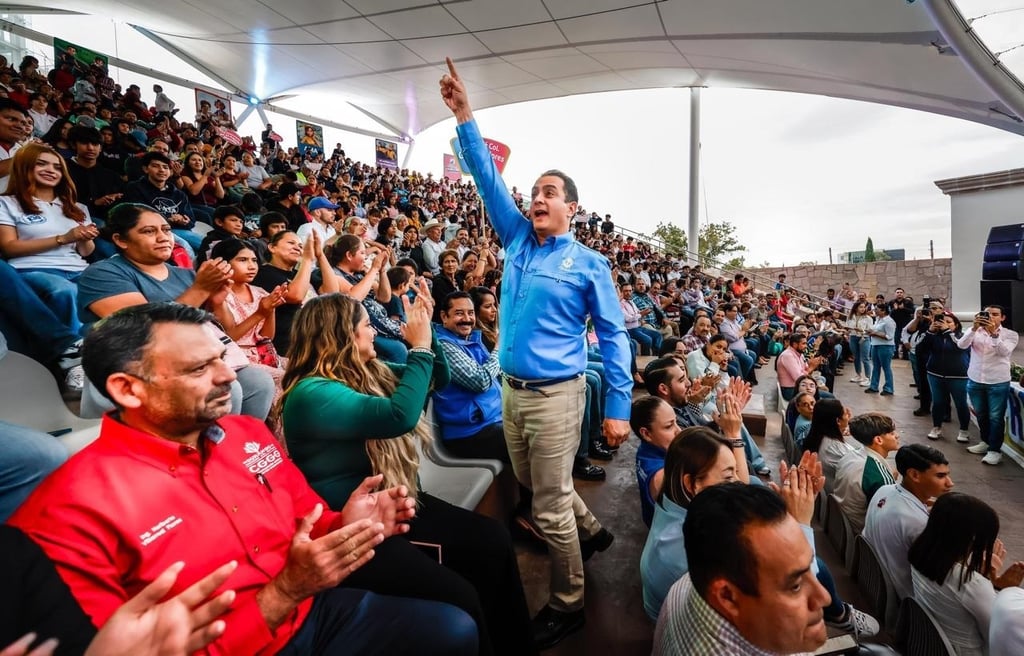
(29, 219)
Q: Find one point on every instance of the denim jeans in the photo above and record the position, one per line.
(592, 413)
(989, 401)
(860, 347)
(347, 621)
(27, 456)
(745, 362)
(881, 361)
(58, 290)
(30, 326)
(649, 340)
(942, 388)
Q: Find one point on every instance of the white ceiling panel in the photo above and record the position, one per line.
(635, 23)
(515, 39)
(357, 30)
(415, 23)
(379, 56)
(487, 15)
(463, 46)
(570, 8)
(304, 13)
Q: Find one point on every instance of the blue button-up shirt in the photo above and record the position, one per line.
(548, 291)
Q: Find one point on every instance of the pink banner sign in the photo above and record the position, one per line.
(451, 168)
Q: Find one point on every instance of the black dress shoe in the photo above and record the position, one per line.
(921, 412)
(870, 391)
(599, 451)
(599, 542)
(551, 626)
(886, 393)
(586, 471)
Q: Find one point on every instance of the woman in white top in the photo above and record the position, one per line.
(858, 324)
(954, 563)
(44, 233)
(827, 436)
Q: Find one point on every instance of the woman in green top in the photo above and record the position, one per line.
(346, 414)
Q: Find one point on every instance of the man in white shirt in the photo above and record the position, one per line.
(322, 211)
(432, 246)
(897, 513)
(988, 378)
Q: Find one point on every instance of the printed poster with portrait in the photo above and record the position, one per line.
(310, 137)
(214, 109)
(81, 60)
(387, 154)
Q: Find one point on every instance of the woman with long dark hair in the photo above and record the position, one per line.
(486, 306)
(346, 414)
(955, 565)
(827, 437)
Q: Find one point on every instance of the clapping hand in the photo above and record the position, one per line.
(392, 507)
(800, 485)
(275, 299)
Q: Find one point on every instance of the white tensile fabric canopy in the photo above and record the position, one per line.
(385, 56)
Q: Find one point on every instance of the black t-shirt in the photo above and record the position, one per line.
(36, 598)
(268, 277)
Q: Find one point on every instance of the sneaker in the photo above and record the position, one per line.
(856, 379)
(865, 382)
(935, 433)
(963, 436)
(858, 623)
(978, 449)
(74, 379)
(71, 357)
(992, 458)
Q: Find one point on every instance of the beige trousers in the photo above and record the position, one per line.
(542, 430)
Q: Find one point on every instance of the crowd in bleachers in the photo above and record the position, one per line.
(330, 302)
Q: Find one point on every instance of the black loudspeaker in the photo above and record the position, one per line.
(1013, 232)
(1005, 251)
(1010, 295)
(1002, 270)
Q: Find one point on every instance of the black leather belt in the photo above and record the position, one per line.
(536, 385)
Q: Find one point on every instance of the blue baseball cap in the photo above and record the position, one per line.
(321, 203)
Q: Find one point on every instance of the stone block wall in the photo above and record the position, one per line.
(919, 278)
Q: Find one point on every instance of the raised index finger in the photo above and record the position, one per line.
(451, 68)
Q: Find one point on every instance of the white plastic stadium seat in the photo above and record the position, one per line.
(439, 454)
(29, 397)
(460, 486)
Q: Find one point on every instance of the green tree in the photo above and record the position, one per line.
(717, 240)
(673, 236)
(869, 251)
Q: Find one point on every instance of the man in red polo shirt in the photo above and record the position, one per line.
(173, 478)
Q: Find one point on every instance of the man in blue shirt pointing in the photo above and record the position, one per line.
(551, 285)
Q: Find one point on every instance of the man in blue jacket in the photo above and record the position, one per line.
(468, 409)
(551, 284)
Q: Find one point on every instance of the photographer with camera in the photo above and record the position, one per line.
(914, 343)
(988, 384)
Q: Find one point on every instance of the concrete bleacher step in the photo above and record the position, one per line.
(754, 417)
